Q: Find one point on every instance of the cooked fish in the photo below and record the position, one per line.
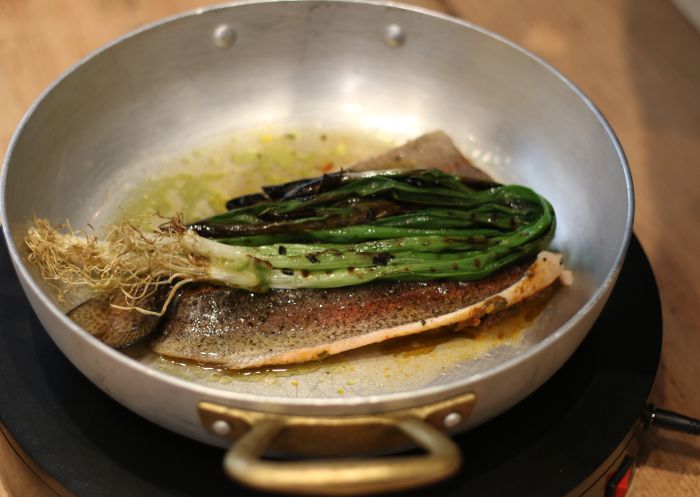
(237, 329)
(431, 150)
(116, 327)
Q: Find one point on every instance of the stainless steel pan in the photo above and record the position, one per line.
(401, 70)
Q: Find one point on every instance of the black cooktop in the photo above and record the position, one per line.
(545, 446)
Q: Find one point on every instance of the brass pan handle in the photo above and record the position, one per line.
(256, 432)
(342, 476)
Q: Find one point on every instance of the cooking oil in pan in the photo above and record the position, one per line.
(198, 184)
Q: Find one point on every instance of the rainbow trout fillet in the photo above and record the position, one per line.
(237, 329)
(431, 150)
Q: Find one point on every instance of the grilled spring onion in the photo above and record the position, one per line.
(337, 230)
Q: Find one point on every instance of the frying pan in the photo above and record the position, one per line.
(375, 66)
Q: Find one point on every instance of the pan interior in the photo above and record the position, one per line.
(239, 163)
(164, 92)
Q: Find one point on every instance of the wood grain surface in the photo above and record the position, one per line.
(638, 60)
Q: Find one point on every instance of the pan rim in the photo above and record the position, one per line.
(373, 403)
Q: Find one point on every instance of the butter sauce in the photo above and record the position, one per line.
(199, 183)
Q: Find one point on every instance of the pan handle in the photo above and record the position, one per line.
(244, 463)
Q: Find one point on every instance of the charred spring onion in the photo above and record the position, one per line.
(337, 230)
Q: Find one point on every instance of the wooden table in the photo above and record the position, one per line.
(639, 61)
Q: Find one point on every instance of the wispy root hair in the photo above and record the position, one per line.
(125, 259)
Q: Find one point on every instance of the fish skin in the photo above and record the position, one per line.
(116, 327)
(119, 328)
(236, 329)
(431, 150)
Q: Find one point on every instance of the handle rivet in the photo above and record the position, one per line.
(394, 35)
(452, 420)
(221, 427)
(224, 36)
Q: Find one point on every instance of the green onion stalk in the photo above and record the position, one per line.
(336, 230)
(347, 229)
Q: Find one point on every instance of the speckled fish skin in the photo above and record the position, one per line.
(115, 327)
(237, 329)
